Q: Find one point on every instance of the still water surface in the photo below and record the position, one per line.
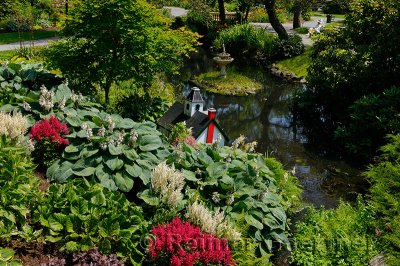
(265, 118)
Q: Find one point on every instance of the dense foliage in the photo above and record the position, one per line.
(343, 236)
(353, 70)
(234, 189)
(238, 183)
(141, 107)
(110, 41)
(246, 40)
(385, 193)
(80, 215)
(19, 191)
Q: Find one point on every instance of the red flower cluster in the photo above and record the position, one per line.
(183, 244)
(50, 129)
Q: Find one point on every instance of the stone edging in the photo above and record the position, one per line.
(288, 76)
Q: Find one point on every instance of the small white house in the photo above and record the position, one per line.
(205, 128)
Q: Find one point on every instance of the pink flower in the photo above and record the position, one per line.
(50, 129)
(182, 243)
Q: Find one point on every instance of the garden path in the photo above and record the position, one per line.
(289, 27)
(16, 45)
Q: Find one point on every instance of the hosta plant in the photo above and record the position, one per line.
(238, 183)
(80, 215)
(19, 194)
(108, 147)
(114, 150)
(7, 257)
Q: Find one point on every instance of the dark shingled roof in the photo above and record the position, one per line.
(194, 96)
(198, 122)
(174, 115)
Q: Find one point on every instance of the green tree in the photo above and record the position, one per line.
(116, 40)
(270, 6)
(360, 60)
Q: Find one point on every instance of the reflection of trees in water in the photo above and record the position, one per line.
(265, 118)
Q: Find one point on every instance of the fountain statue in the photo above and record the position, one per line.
(223, 59)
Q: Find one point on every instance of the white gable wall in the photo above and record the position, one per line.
(203, 137)
(215, 137)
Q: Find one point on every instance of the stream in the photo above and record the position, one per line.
(265, 117)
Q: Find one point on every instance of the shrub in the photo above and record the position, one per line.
(288, 48)
(343, 236)
(95, 258)
(385, 192)
(246, 40)
(80, 215)
(141, 107)
(241, 184)
(199, 20)
(48, 140)
(373, 114)
(258, 14)
(179, 134)
(181, 243)
(19, 192)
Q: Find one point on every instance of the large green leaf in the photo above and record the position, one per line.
(250, 219)
(133, 170)
(88, 171)
(217, 170)
(149, 142)
(124, 182)
(115, 164)
(114, 150)
(54, 224)
(98, 198)
(79, 206)
(150, 199)
(131, 154)
(189, 175)
(279, 213)
(109, 228)
(71, 148)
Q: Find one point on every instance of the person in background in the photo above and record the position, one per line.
(316, 29)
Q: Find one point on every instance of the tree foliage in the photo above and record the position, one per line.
(363, 59)
(110, 41)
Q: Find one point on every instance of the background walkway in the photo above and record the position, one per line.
(16, 45)
(289, 27)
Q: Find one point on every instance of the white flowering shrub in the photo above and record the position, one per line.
(215, 224)
(13, 126)
(168, 183)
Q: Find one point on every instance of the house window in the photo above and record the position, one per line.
(197, 107)
(187, 106)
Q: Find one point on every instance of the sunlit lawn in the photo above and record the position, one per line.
(11, 37)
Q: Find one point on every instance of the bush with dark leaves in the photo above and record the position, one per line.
(94, 258)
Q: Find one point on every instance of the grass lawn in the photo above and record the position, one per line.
(16, 56)
(5, 55)
(234, 83)
(11, 37)
(297, 65)
(321, 14)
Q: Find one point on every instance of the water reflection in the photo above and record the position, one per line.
(266, 118)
